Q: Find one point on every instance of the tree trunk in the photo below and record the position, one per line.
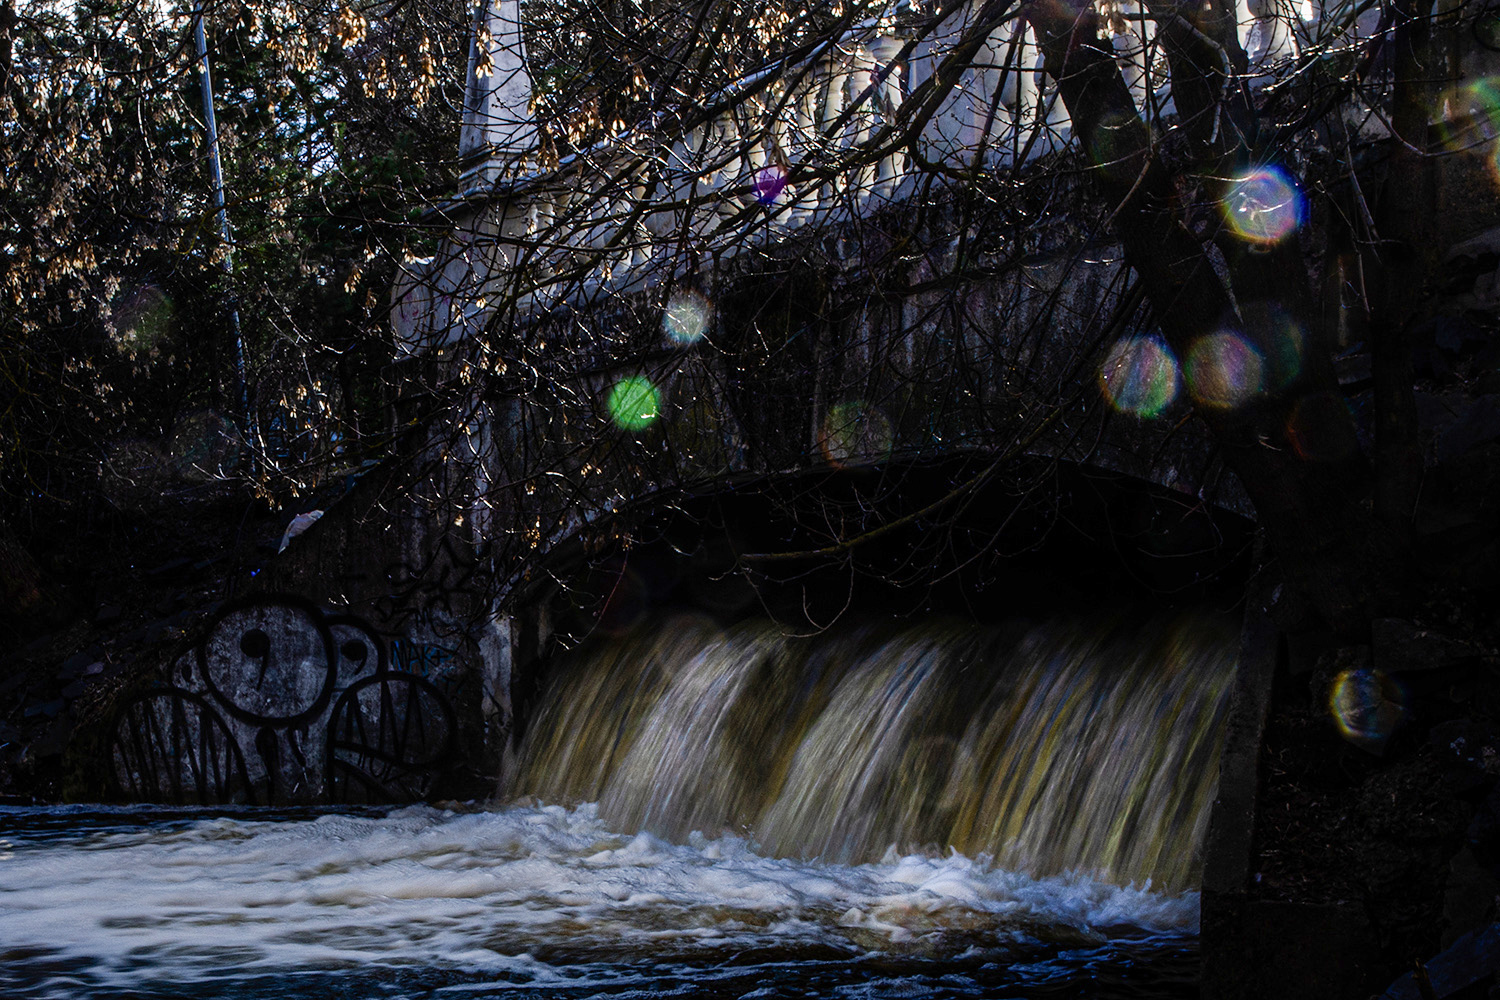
(1311, 501)
(1406, 259)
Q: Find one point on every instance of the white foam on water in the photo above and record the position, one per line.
(484, 892)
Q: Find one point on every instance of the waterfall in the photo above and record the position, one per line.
(1087, 745)
(930, 809)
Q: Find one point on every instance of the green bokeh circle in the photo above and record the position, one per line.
(634, 403)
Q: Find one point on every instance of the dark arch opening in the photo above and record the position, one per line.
(815, 548)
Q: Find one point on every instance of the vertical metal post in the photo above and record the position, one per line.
(216, 174)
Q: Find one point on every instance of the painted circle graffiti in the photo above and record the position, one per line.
(389, 738)
(269, 663)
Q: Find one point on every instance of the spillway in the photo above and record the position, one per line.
(1073, 745)
(727, 813)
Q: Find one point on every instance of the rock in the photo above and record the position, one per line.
(54, 740)
(1488, 383)
(1462, 554)
(47, 708)
(1274, 950)
(1304, 649)
(107, 613)
(1436, 412)
(1483, 835)
(1352, 368)
(1336, 659)
(1402, 647)
(74, 665)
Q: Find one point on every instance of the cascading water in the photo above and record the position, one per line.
(1061, 747)
(726, 814)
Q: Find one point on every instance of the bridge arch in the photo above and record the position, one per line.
(962, 538)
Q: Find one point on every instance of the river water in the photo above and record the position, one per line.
(540, 902)
(926, 811)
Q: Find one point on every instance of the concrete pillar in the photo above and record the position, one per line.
(498, 127)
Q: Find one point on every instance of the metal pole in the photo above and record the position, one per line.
(216, 173)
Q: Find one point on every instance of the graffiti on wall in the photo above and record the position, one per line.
(280, 703)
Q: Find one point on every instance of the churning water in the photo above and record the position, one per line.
(1060, 747)
(932, 812)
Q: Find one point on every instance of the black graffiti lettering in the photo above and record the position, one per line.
(170, 745)
(389, 739)
(273, 666)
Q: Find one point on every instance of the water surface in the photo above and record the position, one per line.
(542, 901)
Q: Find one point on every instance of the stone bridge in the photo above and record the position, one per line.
(851, 333)
(817, 144)
(854, 256)
(848, 333)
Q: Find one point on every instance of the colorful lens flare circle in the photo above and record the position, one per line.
(1223, 371)
(769, 183)
(1264, 206)
(1140, 376)
(634, 403)
(1367, 706)
(686, 318)
(1470, 115)
(855, 431)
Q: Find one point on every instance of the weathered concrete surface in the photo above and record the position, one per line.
(1231, 933)
(280, 703)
